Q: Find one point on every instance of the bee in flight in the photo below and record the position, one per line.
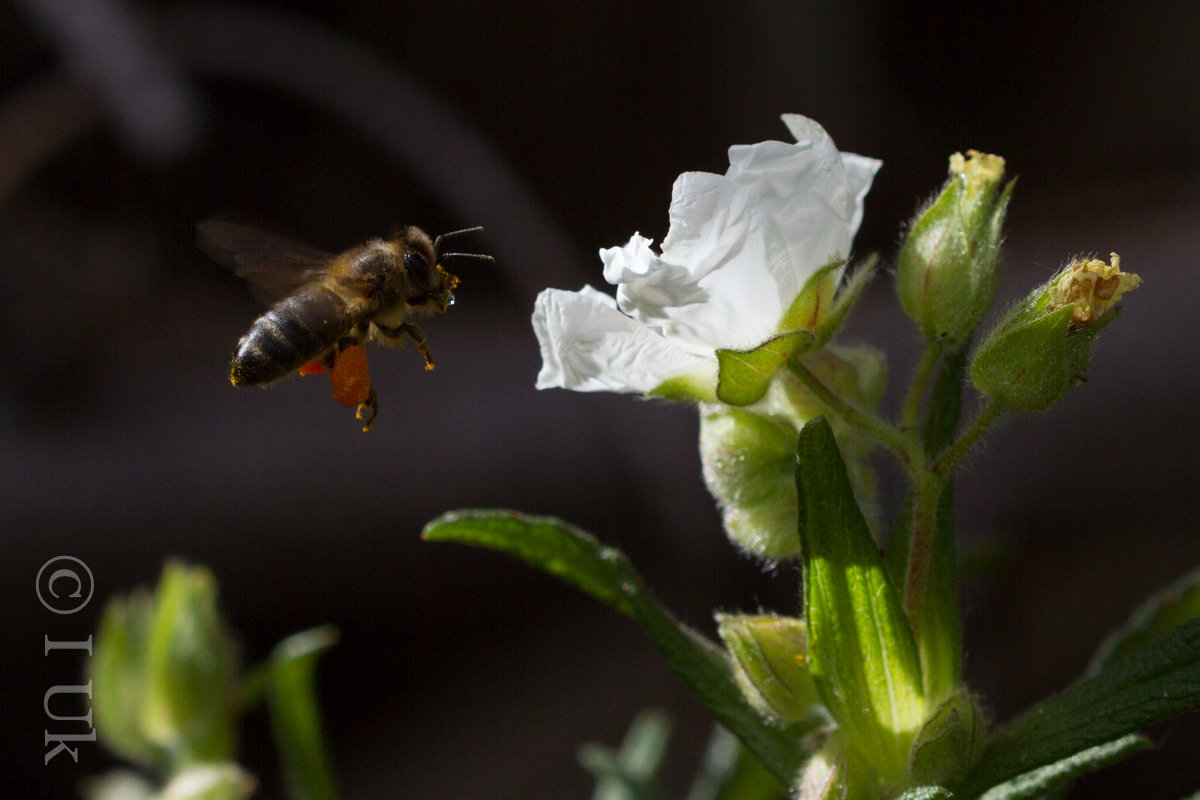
(327, 306)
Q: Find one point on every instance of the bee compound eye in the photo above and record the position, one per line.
(417, 267)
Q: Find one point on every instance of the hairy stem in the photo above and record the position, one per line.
(906, 447)
(916, 390)
(945, 463)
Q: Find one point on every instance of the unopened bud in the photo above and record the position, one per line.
(1041, 348)
(949, 742)
(770, 662)
(946, 273)
(163, 674)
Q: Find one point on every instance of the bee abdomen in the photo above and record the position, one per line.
(292, 333)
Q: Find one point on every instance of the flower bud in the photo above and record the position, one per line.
(1041, 348)
(116, 672)
(949, 742)
(946, 272)
(191, 664)
(749, 453)
(770, 662)
(749, 465)
(163, 674)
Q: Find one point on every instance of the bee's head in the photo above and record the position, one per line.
(429, 286)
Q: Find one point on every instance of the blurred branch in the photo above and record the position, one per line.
(103, 44)
(425, 135)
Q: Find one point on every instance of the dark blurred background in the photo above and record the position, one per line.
(560, 128)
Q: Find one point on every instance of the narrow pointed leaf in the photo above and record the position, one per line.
(551, 545)
(1035, 783)
(295, 715)
(1159, 682)
(605, 573)
(862, 655)
(1161, 613)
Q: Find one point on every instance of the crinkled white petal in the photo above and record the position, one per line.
(588, 345)
(742, 245)
(859, 170)
(713, 286)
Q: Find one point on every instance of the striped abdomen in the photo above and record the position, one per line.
(292, 333)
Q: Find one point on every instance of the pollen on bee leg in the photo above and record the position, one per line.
(350, 379)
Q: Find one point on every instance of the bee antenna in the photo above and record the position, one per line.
(438, 241)
(480, 256)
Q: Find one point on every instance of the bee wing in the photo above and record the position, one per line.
(274, 266)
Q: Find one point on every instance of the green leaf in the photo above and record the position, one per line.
(606, 574)
(551, 545)
(1161, 613)
(1034, 783)
(295, 715)
(743, 375)
(861, 651)
(1159, 682)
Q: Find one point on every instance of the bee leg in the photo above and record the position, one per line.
(371, 404)
(414, 333)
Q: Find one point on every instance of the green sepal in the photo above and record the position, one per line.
(1048, 778)
(1160, 681)
(1040, 348)
(1159, 614)
(290, 688)
(813, 318)
(606, 574)
(949, 742)
(1029, 365)
(744, 375)
(683, 389)
(861, 652)
(770, 659)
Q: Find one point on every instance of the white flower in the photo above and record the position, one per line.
(740, 248)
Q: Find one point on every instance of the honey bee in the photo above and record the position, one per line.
(326, 306)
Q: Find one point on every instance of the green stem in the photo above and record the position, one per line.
(920, 542)
(944, 464)
(916, 390)
(906, 447)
